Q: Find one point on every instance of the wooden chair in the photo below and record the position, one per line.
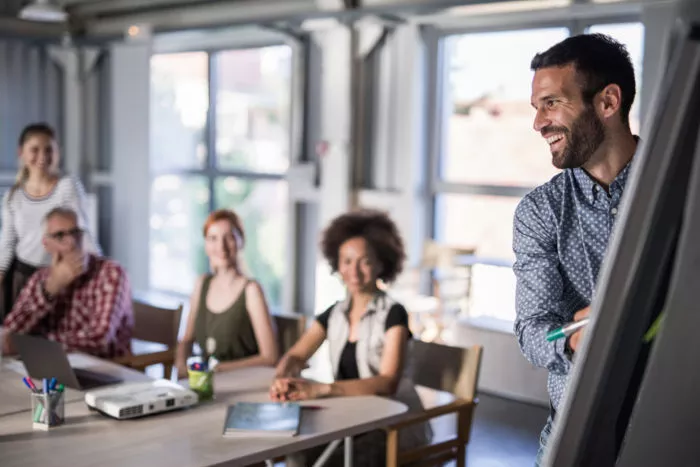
(289, 329)
(438, 369)
(155, 337)
(450, 284)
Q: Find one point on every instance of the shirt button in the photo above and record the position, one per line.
(613, 211)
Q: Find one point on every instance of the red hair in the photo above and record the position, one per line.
(225, 215)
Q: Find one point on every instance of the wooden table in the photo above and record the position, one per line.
(190, 437)
(14, 395)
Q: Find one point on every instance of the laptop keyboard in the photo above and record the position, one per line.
(90, 379)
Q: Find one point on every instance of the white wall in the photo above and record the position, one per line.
(335, 130)
(130, 149)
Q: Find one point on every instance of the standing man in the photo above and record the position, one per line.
(582, 93)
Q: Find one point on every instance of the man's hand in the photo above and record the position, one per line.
(576, 337)
(64, 270)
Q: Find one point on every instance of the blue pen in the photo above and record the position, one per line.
(52, 384)
(45, 385)
(26, 383)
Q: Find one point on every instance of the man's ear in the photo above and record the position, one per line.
(611, 100)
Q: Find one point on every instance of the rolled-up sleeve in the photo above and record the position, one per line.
(539, 292)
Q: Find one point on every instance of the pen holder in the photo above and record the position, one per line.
(47, 410)
(202, 382)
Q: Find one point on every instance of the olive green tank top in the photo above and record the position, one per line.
(227, 335)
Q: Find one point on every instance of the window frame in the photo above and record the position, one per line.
(210, 170)
(434, 37)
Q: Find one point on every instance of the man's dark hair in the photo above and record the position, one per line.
(599, 60)
(378, 230)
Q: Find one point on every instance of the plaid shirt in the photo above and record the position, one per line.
(93, 315)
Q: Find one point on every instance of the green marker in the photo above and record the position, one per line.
(566, 331)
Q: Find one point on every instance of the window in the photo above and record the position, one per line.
(489, 155)
(488, 137)
(220, 139)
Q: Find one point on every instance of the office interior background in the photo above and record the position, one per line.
(294, 111)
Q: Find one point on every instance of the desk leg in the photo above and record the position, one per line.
(326, 453)
(348, 451)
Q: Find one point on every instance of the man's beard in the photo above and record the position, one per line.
(582, 141)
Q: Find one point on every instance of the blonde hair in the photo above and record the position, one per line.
(29, 131)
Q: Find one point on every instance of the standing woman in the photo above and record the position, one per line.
(39, 189)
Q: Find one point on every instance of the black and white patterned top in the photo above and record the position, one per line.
(22, 222)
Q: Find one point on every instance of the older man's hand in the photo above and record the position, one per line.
(64, 270)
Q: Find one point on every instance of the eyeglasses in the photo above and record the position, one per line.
(76, 233)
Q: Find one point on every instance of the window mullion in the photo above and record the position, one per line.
(211, 125)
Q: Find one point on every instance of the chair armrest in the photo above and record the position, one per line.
(426, 415)
(123, 360)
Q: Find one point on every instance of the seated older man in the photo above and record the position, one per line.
(81, 300)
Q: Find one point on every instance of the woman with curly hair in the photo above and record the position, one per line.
(367, 332)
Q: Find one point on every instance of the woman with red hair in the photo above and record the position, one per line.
(229, 317)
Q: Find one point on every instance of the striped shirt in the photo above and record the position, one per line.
(22, 222)
(92, 315)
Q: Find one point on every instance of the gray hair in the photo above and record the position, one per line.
(61, 211)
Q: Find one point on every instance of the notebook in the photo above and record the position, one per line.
(267, 419)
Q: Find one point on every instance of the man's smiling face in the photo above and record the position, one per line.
(570, 126)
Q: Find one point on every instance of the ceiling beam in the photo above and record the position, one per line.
(210, 14)
(213, 13)
(93, 8)
(12, 27)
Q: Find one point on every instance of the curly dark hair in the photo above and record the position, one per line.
(378, 230)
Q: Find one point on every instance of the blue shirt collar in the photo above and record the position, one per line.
(591, 189)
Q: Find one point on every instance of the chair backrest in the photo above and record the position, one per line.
(451, 281)
(289, 329)
(446, 368)
(156, 324)
(440, 256)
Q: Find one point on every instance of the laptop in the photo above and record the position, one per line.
(43, 358)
